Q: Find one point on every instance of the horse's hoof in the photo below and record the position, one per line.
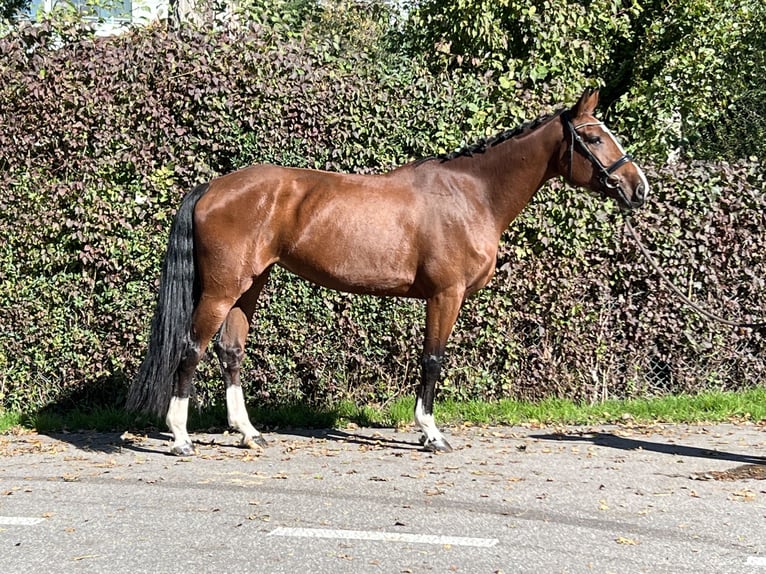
(185, 449)
(436, 445)
(255, 442)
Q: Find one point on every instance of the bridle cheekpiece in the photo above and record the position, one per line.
(604, 171)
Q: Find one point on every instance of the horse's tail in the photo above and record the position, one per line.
(152, 387)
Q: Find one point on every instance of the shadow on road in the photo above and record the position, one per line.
(368, 438)
(155, 442)
(611, 440)
(112, 442)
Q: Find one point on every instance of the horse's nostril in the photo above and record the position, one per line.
(640, 193)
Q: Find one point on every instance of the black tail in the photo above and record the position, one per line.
(152, 387)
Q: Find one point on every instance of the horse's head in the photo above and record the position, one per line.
(591, 156)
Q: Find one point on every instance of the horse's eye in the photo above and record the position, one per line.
(595, 140)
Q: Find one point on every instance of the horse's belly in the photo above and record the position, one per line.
(353, 242)
(356, 269)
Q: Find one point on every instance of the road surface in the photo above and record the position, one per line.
(609, 499)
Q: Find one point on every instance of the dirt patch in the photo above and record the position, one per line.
(742, 472)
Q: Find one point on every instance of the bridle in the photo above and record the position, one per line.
(605, 172)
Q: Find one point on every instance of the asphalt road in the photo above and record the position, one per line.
(616, 499)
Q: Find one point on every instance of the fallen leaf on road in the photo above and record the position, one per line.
(84, 557)
(743, 495)
(626, 541)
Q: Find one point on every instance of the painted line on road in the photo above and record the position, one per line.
(756, 561)
(19, 521)
(384, 536)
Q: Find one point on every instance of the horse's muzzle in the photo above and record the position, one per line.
(634, 200)
(639, 196)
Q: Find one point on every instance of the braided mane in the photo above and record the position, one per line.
(483, 145)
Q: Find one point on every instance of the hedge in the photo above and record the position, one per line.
(102, 136)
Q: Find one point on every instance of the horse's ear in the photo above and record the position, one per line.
(587, 103)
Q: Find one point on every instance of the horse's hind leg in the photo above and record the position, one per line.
(230, 349)
(207, 318)
(179, 403)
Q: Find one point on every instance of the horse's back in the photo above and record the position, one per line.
(401, 233)
(347, 232)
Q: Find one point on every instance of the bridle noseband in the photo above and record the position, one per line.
(604, 171)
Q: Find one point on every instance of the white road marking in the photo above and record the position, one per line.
(756, 561)
(384, 536)
(19, 521)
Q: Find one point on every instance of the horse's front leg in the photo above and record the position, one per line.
(432, 438)
(441, 313)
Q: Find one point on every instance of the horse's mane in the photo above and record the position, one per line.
(483, 145)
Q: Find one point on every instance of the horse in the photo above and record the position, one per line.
(429, 230)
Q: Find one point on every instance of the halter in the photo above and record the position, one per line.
(604, 171)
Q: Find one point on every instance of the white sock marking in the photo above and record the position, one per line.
(176, 420)
(237, 412)
(426, 422)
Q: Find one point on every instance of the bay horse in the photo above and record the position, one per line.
(429, 229)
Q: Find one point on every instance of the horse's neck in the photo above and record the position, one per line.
(515, 170)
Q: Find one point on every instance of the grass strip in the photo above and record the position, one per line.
(708, 407)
